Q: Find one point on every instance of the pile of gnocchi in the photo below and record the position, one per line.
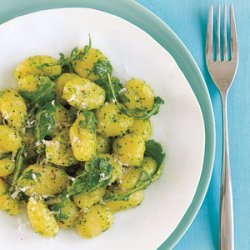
(74, 143)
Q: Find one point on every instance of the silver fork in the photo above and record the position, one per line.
(222, 71)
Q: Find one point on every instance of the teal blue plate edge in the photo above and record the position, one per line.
(154, 26)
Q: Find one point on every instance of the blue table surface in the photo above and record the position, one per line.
(188, 18)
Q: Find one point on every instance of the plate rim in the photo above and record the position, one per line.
(165, 36)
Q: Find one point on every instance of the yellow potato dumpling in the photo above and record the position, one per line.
(42, 180)
(134, 200)
(129, 178)
(7, 204)
(92, 223)
(149, 165)
(83, 140)
(140, 95)
(58, 150)
(60, 83)
(10, 140)
(103, 144)
(84, 67)
(129, 149)
(30, 67)
(83, 94)
(111, 121)
(29, 83)
(7, 166)
(41, 218)
(13, 108)
(86, 200)
(142, 128)
(70, 211)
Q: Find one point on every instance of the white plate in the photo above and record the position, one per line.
(179, 127)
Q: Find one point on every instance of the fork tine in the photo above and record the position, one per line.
(233, 35)
(225, 56)
(209, 39)
(218, 35)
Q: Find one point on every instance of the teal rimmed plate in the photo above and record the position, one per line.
(185, 125)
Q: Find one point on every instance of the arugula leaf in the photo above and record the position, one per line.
(18, 166)
(102, 68)
(89, 122)
(58, 207)
(118, 89)
(97, 174)
(136, 113)
(45, 92)
(45, 121)
(154, 150)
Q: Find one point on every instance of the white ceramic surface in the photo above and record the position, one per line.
(179, 127)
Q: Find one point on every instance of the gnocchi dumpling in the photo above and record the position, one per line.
(42, 180)
(83, 136)
(60, 83)
(10, 140)
(28, 83)
(140, 95)
(111, 121)
(7, 166)
(134, 200)
(13, 108)
(31, 66)
(129, 178)
(83, 94)
(129, 149)
(7, 204)
(41, 218)
(90, 66)
(58, 150)
(103, 144)
(142, 128)
(95, 221)
(86, 200)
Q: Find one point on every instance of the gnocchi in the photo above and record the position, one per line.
(74, 143)
(129, 149)
(95, 221)
(111, 121)
(13, 108)
(41, 218)
(83, 94)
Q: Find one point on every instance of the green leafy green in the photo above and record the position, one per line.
(20, 155)
(154, 150)
(45, 121)
(102, 68)
(97, 174)
(89, 122)
(45, 92)
(136, 113)
(118, 89)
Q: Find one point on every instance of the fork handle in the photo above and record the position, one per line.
(226, 207)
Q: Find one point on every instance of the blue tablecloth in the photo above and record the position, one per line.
(188, 19)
